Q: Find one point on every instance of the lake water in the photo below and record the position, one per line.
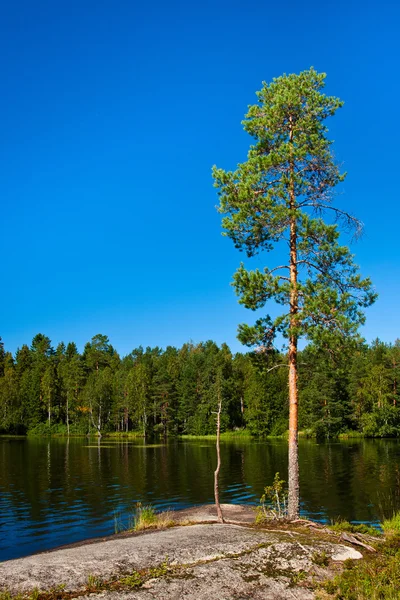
(54, 492)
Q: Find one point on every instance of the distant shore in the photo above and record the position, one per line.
(225, 436)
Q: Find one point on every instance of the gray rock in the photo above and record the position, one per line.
(212, 561)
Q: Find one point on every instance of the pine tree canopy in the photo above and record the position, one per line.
(283, 194)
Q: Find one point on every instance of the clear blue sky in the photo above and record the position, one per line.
(113, 113)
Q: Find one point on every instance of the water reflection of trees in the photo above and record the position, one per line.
(47, 483)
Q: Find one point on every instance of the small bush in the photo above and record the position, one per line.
(273, 502)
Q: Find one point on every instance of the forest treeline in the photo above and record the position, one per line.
(175, 391)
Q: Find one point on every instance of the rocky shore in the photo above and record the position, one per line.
(196, 559)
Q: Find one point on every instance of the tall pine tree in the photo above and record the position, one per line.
(278, 196)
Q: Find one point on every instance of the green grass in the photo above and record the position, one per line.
(351, 435)
(392, 526)
(134, 580)
(376, 577)
(305, 433)
(342, 525)
(226, 435)
(57, 430)
(124, 434)
(143, 517)
(147, 518)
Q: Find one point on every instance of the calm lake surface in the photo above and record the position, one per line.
(54, 492)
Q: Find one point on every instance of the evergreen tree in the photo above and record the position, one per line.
(39, 384)
(278, 196)
(165, 390)
(325, 407)
(175, 391)
(2, 357)
(23, 363)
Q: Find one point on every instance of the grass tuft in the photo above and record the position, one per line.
(392, 526)
(320, 558)
(143, 517)
(94, 583)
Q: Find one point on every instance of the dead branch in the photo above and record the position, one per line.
(345, 537)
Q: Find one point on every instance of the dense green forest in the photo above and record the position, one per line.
(174, 391)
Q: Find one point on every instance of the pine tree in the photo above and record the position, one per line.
(2, 357)
(278, 196)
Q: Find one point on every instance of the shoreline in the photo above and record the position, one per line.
(195, 556)
(225, 436)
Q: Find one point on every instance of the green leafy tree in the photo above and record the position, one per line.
(10, 408)
(393, 361)
(121, 415)
(48, 390)
(138, 388)
(98, 393)
(278, 196)
(100, 360)
(71, 374)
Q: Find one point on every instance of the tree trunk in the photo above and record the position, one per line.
(394, 384)
(99, 421)
(217, 470)
(144, 421)
(294, 499)
(68, 414)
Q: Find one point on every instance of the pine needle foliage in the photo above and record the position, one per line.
(282, 196)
